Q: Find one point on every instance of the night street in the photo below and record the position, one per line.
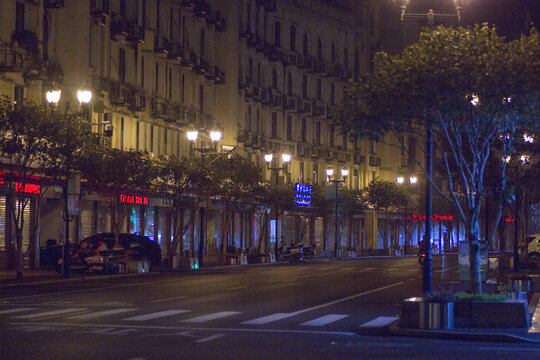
(288, 311)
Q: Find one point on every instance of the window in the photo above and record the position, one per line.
(344, 140)
(305, 46)
(170, 84)
(304, 86)
(274, 125)
(277, 34)
(315, 173)
(301, 171)
(137, 135)
(151, 138)
(201, 98)
(333, 55)
(201, 44)
(303, 130)
(18, 96)
(346, 58)
(250, 69)
(332, 94)
(248, 123)
(289, 127)
(274, 79)
(122, 133)
(156, 80)
(259, 74)
(123, 8)
(292, 40)
(19, 17)
(122, 65)
(142, 72)
(289, 85)
(183, 88)
(332, 135)
(356, 65)
(319, 50)
(318, 133)
(319, 89)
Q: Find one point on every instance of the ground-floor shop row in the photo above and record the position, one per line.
(203, 227)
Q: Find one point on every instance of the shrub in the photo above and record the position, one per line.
(463, 296)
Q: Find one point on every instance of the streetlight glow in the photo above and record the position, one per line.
(192, 135)
(344, 172)
(53, 96)
(400, 179)
(268, 158)
(215, 136)
(84, 96)
(329, 172)
(413, 179)
(286, 157)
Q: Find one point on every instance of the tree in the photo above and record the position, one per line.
(473, 90)
(112, 173)
(385, 196)
(36, 141)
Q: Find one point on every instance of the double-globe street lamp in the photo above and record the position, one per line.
(412, 180)
(336, 181)
(215, 137)
(286, 159)
(430, 18)
(53, 97)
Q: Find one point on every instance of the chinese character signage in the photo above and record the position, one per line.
(133, 199)
(302, 194)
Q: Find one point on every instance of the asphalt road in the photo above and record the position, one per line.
(286, 311)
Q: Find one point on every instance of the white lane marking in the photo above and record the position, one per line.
(380, 321)
(324, 320)
(100, 314)
(47, 313)
(156, 315)
(191, 328)
(447, 269)
(209, 338)
(167, 299)
(367, 269)
(508, 348)
(209, 317)
(10, 311)
(236, 288)
(268, 319)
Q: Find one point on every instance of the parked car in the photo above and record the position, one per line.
(136, 246)
(533, 247)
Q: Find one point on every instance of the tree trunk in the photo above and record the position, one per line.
(19, 256)
(475, 260)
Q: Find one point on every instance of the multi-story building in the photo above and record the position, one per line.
(269, 74)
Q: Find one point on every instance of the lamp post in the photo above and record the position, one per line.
(329, 174)
(268, 158)
(53, 97)
(411, 181)
(429, 18)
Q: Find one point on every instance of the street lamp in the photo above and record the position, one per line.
(268, 158)
(411, 181)
(53, 97)
(429, 18)
(329, 174)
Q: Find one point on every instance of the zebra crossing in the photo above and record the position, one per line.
(182, 316)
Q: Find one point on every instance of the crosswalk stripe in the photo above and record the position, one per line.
(380, 321)
(10, 311)
(156, 315)
(214, 316)
(47, 313)
(99, 314)
(268, 319)
(324, 320)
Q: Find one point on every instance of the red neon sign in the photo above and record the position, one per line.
(133, 199)
(26, 188)
(434, 217)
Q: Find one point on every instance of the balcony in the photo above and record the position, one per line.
(267, 5)
(345, 74)
(334, 71)
(289, 102)
(118, 95)
(175, 52)
(219, 76)
(265, 96)
(359, 159)
(215, 18)
(252, 40)
(161, 45)
(317, 152)
(158, 108)
(305, 62)
(276, 99)
(319, 67)
(244, 136)
(54, 4)
(200, 65)
(136, 102)
(99, 8)
(201, 9)
(374, 160)
(303, 150)
(119, 27)
(136, 33)
(272, 53)
(289, 59)
(10, 60)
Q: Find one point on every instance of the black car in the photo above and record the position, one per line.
(138, 246)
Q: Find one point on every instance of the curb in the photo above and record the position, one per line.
(394, 330)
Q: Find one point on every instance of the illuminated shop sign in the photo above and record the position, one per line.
(134, 199)
(26, 188)
(302, 194)
(434, 217)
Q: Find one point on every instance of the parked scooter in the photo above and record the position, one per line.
(295, 252)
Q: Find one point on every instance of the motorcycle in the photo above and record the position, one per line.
(96, 261)
(295, 252)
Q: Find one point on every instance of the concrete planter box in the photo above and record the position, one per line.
(492, 314)
(416, 313)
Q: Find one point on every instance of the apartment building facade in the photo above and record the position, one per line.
(269, 74)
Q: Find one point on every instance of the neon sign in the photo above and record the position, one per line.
(134, 199)
(434, 217)
(26, 188)
(302, 195)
